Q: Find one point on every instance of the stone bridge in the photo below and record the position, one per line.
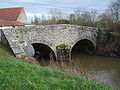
(58, 40)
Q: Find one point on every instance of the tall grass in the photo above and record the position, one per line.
(5, 51)
(18, 75)
(73, 68)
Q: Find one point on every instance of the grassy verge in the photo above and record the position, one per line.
(19, 75)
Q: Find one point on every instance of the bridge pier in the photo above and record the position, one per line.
(63, 53)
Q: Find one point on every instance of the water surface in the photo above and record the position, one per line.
(103, 69)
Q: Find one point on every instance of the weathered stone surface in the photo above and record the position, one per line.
(63, 54)
(50, 35)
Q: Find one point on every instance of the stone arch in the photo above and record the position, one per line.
(86, 38)
(35, 44)
(42, 41)
(44, 51)
(84, 44)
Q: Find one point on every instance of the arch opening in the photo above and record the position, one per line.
(83, 46)
(43, 52)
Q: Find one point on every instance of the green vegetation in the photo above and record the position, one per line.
(115, 33)
(62, 46)
(63, 21)
(19, 75)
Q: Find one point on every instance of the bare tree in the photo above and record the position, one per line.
(104, 20)
(78, 15)
(36, 20)
(43, 19)
(86, 17)
(114, 11)
(90, 17)
(72, 18)
(55, 15)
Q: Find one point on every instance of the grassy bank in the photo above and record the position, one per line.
(19, 75)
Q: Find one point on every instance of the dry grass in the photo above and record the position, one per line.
(72, 68)
(5, 51)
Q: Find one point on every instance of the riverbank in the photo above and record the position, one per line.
(108, 44)
(17, 74)
(5, 52)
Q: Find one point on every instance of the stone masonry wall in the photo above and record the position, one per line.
(51, 35)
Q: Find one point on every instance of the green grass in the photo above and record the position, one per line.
(19, 75)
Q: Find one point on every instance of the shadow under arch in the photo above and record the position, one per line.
(43, 51)
(83, 45)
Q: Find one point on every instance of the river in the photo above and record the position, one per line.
(103, 69)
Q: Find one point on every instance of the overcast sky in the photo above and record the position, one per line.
(39, 7)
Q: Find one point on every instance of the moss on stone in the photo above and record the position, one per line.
(62, 46)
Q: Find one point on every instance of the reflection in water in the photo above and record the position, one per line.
(102, 69)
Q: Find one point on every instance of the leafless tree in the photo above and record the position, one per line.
(36, 20)
(72, 18)
(86, 17)
(55, 15)
(114, 11)
(104, 20)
